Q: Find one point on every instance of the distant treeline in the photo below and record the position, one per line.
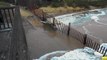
(9, 1)
(74, 3)
(57, 3)
(86, 3)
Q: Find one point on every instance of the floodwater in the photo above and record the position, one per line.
(44, 39)
(93, 22)
(81, 17)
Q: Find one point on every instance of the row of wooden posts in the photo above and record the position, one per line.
(84, 38)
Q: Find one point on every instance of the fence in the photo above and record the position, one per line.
(68, 30)
(10, 18)
(95, 44)
(6, 17)
(84, 38)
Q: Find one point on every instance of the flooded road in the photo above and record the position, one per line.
(43, 39)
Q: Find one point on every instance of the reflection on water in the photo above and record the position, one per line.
(48, 28)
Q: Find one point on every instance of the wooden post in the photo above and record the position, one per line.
(85, 38)
(53, 21)
(68, 32)
(43, 16)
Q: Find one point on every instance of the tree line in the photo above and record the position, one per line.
(57, 3)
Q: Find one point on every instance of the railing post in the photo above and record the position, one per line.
(68, 32)
(53, 21)
(85, 38)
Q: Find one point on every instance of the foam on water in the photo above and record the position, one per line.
(71, 55)
(44, 57)
(80, 18)
(96, 18)
(78, 54)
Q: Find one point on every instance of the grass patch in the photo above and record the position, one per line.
(50, 9)
(25, 13)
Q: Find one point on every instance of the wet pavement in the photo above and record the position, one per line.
(43, 39)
